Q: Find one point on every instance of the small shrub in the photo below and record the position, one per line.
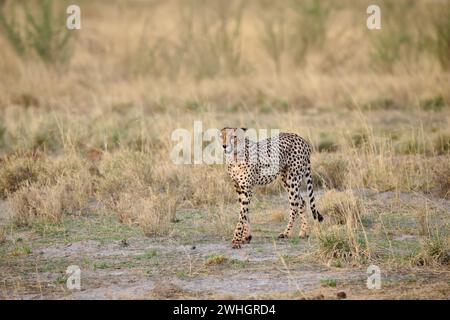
(422, 219)
(36, 202)
(63, 185)
(18, 171)
(132, 188)
(435, 250)
(342, 207)
(121, 172)
(46, 138)
(376, 176)
(340, 244)
(334, 245)
(328, 283)
(332, 171)
(153, 213)
(327, 145)
(48, 202)
(22, 251)
(442, 144)
(318, 180)
(157, 214)
(433, 104)
(441, 178)
(359, 139)
(216, 260)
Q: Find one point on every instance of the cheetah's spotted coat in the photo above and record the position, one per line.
(258, 163)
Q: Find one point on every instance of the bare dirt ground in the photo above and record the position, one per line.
(117, 262)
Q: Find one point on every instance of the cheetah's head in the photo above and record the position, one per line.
(231, 138)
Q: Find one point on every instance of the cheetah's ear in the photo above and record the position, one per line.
(244, 129)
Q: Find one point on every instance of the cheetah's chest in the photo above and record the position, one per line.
(238, 172)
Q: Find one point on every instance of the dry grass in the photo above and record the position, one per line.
(36, 202)
(435, 251)
(101, 123)
(441, 177)
(62, 186)
(121, 172)
(340, 245)
(2, 235)
(342, 239)
(342, 207)
(130, 186)
(16, 172)
(278, 216)
(154, 215)
(331, 172)
(216, 260)
(442, 143)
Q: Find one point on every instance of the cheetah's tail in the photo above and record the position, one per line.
(309, 185)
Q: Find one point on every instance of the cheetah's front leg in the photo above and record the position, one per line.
(242, 231)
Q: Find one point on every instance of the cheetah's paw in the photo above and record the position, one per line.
(236, 245)
(247, 239)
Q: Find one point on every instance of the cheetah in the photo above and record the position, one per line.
(252, 163)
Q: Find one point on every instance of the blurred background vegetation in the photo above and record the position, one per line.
(243, 60)
(206, 39)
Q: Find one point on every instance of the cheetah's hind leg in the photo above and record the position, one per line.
(303, 221)
(246, 236)
(291, 183)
